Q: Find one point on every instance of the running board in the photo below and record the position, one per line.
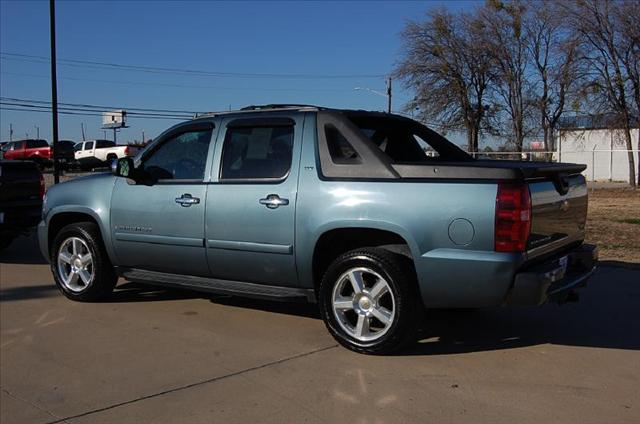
(213, 285)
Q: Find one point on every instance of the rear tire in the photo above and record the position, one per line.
(80, 265)
(369, 301)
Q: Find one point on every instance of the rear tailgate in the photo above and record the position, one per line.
(559, 212)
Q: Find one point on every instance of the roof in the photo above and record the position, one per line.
(261, 108)
(594, 122)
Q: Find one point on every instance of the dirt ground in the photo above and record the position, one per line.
(613, 223)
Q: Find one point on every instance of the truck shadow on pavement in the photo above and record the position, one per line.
(607, 315)
(23, 250)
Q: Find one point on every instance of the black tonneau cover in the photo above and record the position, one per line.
(487, 169)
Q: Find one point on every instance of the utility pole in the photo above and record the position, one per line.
(54, 91)
(82, 128)
(10, 132)
(143, 137)
(37, 132)
(389, 94)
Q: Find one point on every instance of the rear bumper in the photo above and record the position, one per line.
(554, 280)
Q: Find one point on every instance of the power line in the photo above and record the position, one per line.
(80, 113)
(161, 84)
(181, 71)
(102, 108)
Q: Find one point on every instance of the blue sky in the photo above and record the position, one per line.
(318, 38)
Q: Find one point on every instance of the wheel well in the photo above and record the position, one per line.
(336, 242)
(61, 220)
(112, 156)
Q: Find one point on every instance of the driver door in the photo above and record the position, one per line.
(160, 227)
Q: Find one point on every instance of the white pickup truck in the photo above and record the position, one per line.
(96, 153)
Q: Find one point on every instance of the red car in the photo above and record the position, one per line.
(38, 151)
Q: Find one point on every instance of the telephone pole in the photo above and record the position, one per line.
(10, 132)
(389, 94)
(54, 91)
(82, 128)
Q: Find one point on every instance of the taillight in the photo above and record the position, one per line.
(42, 187)
(513, 217)
(126, 150)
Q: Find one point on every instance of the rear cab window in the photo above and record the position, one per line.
(34, 144)
(101, 144)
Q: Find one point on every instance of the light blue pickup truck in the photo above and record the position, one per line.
(371, 215)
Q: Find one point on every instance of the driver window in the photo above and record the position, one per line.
(181, 157)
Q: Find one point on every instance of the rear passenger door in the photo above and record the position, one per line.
(250, 213)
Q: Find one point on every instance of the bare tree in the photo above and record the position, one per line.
(628, 22)
(445, 63)
(506, 43)
(553, 51)
(608, 85)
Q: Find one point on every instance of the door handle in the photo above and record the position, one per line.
(187, 200)
(273, 201)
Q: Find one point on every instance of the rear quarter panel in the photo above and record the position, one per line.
(465, 273)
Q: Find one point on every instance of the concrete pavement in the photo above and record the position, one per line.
(166, 356)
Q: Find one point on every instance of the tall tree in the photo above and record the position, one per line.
(553, 51)
(506, 42)
(609, 85)
(628, 22)
(448, 68)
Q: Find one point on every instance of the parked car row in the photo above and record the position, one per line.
(83, 155)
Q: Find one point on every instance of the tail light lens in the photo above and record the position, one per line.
(126, 150)
(42, 186)
(513, 218)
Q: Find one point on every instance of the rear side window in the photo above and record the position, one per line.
(88, 145)
(261, 152)
(101, 144)
(341, 151)
(33, 144)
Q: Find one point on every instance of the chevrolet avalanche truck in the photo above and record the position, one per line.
(343, 208)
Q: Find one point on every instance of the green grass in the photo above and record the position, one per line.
(635, 221)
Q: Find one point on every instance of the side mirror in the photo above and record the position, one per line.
(123, 167)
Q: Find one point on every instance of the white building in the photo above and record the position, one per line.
(604, 151)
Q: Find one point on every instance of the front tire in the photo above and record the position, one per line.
(81, 268)
(369, 301)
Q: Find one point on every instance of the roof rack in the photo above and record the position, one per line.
(256, 108)
(276, 106)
